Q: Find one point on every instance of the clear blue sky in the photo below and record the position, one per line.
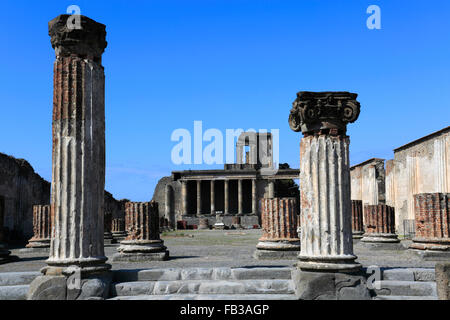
(231, 64)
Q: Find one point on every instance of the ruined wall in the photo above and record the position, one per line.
(422, 166)
(368, 182)
(114, 209)
(20, 189)
(159, 195)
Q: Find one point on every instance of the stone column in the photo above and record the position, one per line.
(379, 224)
(432, 230)
(143, 242)
(226, 197)
(327, 268)
(107, 234)
(184, 197)
(213, 199)
(199, 197)
(78, 160)
(326, 226)
(254, 198)
(118, 229)
(279, 224)
(271, 189)
(240, 197)
(169, 214)
(357, 219)
(42, 227)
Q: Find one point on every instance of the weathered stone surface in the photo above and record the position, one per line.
(143, 241)
(17, 292)
(17, 278)
(379, 224)
(432, 216)
(330, 286)
(48, 288)
(42, 227)
(420, 166)
(357, 219)
(279, 223)
(20, 189)
(404, 288)
(443, 280)
(203, 224)
(368, 182)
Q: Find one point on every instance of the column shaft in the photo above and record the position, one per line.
(226, 198)
(199, 197)
(254, 197)
(184, 197)
(240, 197)
(213, 198)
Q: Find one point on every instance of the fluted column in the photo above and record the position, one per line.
(78, 160)
(184, 197)
(213, 198)
(279, 224)
(199, 197)
(326, 226)
(142, 242)
(432, 219)
(240, 197)
(42, 227)
(379, 224)
(226, 197)
(271, 189)
(118, 228)
(357, 219)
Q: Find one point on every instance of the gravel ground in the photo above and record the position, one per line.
(227, 248)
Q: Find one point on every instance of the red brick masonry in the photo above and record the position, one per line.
(432, 218)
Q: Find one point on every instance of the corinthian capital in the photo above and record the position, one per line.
(314, 112)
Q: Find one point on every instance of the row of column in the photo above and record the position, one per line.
(184, 195)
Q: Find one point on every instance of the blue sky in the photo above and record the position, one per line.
(231, 64)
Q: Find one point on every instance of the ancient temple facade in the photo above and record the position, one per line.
(234, 191)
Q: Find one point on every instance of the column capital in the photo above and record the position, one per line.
(323, 112)
(87, 42)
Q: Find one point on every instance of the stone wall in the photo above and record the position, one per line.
(368, 182)
(20, 189)
(422, 166)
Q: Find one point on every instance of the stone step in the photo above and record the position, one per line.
(409, 274)
(17, 278)
(405, 298)
(18, 292)
(405, 288)
(210, 297)
(202, 287)
(172, 274)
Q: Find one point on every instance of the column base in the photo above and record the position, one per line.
(38, 243)
(141, 250)
(375, 245)
(345, 263)
(71, 283)
(87, 266)
(279, 245)
(311, 285)
(380, 238)
(430, 253)
(434, 244)
(357, 234)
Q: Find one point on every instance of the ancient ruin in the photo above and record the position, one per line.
(78, 162)
(357, 219)
(42, 227)
(379, 224)
(325, 206)
(143, 242)
(432, 236)
(279, 224)
(235, 191)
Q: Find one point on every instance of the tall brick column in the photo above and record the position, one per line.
(78, 162)
(279, 224)
(42, 227)
(143, 242)
(357, 219)
(432, 218)
(326, 222)
(78, 165)
(379, 224)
